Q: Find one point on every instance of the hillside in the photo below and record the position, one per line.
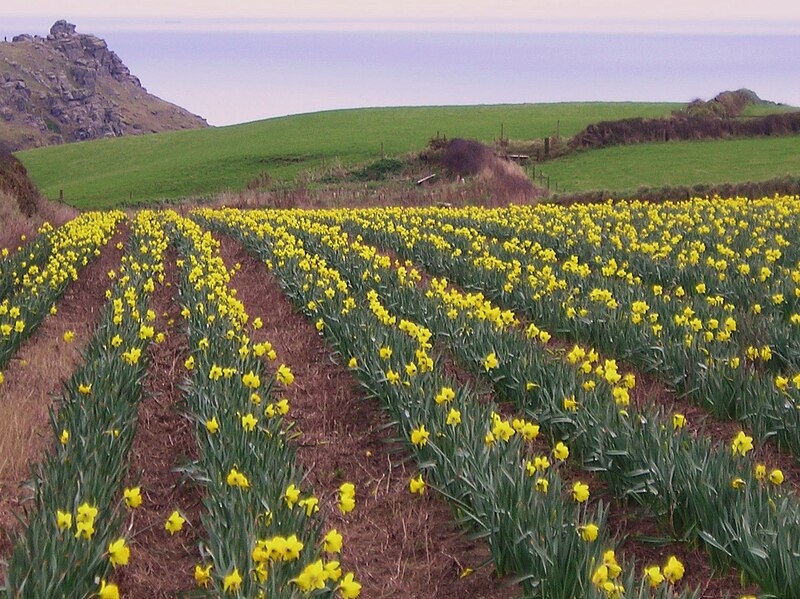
(173, 165)
(71, 87)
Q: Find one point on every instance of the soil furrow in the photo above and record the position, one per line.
(397, 544)
(161, 564)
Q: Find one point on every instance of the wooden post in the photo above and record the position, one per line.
(61, 195)
(546, 148)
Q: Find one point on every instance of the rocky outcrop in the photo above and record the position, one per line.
(71, 87)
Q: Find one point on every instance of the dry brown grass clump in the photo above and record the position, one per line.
(15, 224)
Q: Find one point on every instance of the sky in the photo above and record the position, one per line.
(243, 60)
(418, 15)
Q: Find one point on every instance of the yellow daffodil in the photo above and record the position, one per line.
(118, 553)
(63, 520)
(673, 571)
(133, 497)
(561, 451)
(311, 578)
(332, 543)
(232, 581)
(776, 477)
(347, 497)
(654, 576)
(741, 444)
(348, 587)
(589, 532)
(580, 492)
(417, 485)
(174, 523)
(419, 436)
(202, 575)
(108, 590)
(212, 426)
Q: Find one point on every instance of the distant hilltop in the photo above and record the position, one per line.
(70, 87)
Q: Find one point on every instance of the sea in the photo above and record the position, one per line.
(234, 77)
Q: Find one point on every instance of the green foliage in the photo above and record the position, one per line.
(535, 535)
(627, 168)
(379, 170)
(111, 172)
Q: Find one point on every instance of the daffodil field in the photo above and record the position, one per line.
(74, 535)
(549, 312)
(265, 533)
(33, 278)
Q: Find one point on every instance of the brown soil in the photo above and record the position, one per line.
(162, 565)
(397, 544)
(36, 372)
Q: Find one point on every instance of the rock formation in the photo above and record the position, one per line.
(72, 87)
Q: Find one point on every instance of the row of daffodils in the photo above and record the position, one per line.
(34, 277)
(73, 539)
(635, 281)
(265, 531)
(737, 507)
(502, 480)
(703, 294)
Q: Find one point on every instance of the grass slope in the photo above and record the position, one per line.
(110, 172)
(626, 168)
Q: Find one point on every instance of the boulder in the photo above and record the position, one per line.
(62, 29)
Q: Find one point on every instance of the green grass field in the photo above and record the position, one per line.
(626, 168)
(111, 172)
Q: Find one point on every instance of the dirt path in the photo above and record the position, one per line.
(37, 371)
(397, 544)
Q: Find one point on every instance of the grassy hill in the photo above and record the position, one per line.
(110, 172)
(627, 168)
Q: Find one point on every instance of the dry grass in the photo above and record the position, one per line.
(16, 224)
(499, 185)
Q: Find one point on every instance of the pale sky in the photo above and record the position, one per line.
(238, 60)
(719, 16)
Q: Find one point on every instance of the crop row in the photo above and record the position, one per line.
(12, 264)
(72, 537)
(264, 532)
(488, 466)
(34, 284)
(653, 329)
